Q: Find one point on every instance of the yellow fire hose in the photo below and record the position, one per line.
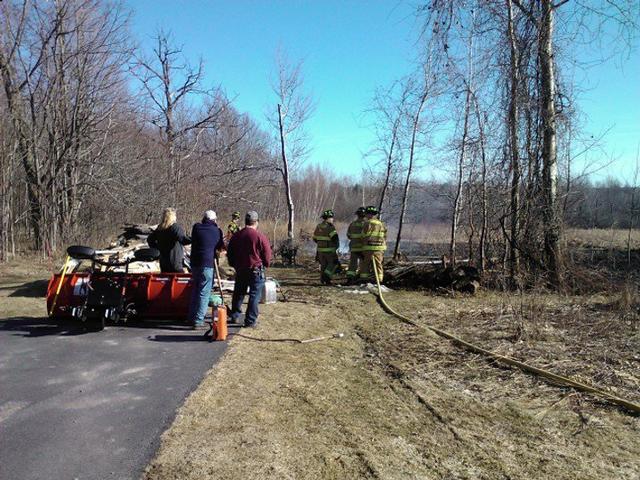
(64, 272)
(550, 377)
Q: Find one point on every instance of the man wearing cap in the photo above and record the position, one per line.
(374, 243)
(327, 242)
(249, 252)
(354, 234)
(206, 242)
(233, 226)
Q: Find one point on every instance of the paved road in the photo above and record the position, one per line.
(91, 406)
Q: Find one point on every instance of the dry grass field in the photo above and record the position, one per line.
(611, 238)
(387, 401)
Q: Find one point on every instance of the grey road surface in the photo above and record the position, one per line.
(92, 405)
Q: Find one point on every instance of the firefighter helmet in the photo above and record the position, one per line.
(361, 211)
(372, 210)
(327, 214)
(235, 215)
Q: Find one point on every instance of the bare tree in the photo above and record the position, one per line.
(389, 110)
(513, 127)
(60, 68)
(632, 207)
(173, 86)
(422, 93)
(294, 107)
(482, 245)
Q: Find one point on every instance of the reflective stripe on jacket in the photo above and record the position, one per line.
(326, 237)
(354, 233)
(374, 236)
(233, 228)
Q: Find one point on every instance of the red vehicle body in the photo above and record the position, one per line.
(152, 295)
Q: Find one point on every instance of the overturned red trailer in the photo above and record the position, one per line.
(150, 295)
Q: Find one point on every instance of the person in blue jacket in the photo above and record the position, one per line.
(206, 243)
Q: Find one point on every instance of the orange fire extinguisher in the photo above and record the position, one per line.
(219, 313)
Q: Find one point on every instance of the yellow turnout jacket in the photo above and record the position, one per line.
(354, 234)
(326, 237)
(374, 236)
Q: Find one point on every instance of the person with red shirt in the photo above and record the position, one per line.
(249, 252)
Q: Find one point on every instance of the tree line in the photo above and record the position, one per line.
(491, 102)
(96, 131)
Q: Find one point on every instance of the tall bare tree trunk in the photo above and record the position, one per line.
(387, 176)
(483, 228)
(286, 178)
(471, 216)
(457, 198)
(405, 192)
(552, 224)
(514, 81)
(632, 210)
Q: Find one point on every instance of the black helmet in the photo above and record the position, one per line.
(371, 210)
(327, 214)
(361, 211)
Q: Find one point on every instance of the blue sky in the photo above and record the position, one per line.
(351, 47)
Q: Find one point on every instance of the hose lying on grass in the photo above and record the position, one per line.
(550, 377)
(291, 340)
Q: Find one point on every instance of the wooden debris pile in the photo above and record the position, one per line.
(133, 234)
(416, 276)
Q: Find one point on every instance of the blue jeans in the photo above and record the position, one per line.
(254, 281)
(202, 281)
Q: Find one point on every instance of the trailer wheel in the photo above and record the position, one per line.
(146, 255)
(96, 325)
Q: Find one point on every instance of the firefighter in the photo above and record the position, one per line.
(354, 234)
(327, 241)
(374, 243)
(233, 226)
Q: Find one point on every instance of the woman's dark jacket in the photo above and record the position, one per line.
(170, 241)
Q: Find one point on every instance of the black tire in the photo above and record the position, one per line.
(96, 325)
(81, 252)
(146, 255)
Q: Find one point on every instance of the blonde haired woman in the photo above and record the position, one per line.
(169, 237)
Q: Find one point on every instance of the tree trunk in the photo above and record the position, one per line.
(405, 192)
(552, 225)
(471, 216)
(387, 176)
(457, 199)
(514, 81)
(483, 229)
(285, 177)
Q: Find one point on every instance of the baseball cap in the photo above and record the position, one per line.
(251, 216)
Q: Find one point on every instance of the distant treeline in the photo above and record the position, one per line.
(96, 131)
(608, 204)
